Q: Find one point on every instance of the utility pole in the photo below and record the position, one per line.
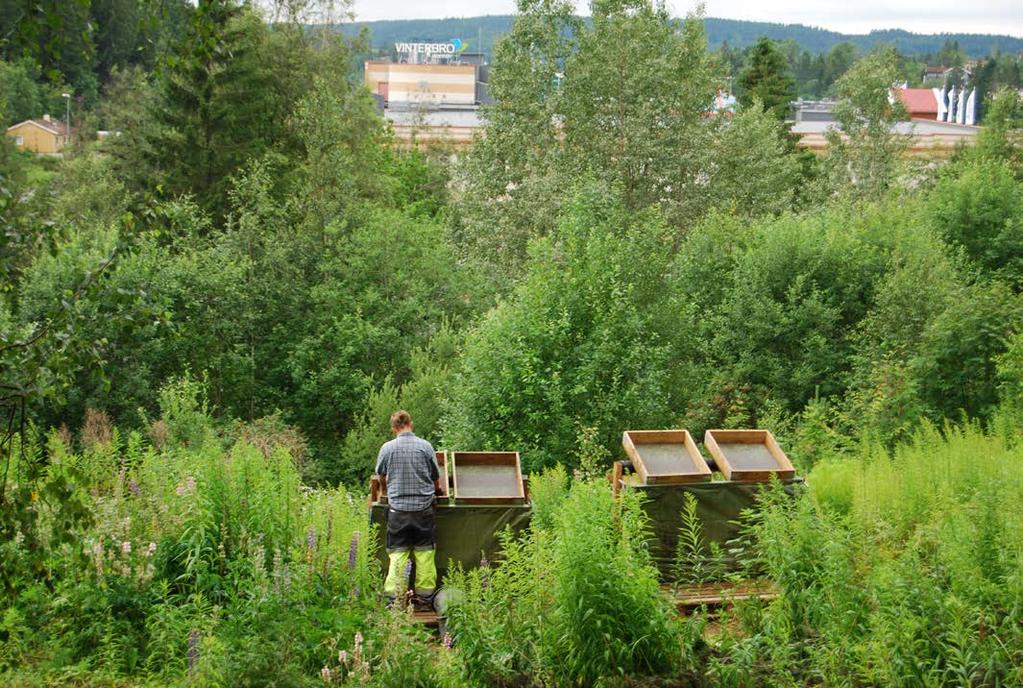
(67, 118)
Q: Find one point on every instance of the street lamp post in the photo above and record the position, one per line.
(67, 117)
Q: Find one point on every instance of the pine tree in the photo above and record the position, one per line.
(766, 79)
(219, 107)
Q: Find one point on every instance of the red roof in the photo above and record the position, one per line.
(918, 100)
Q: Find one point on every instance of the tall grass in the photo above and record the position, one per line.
(200, 561)
(896, 570)
(575, 601)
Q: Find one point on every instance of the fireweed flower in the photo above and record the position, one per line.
(134, 488)
(484, 563)
(325, 674)
(310, 539)
(353, 550)
(193, 650)
(151, 550)
(180, 490)
(342, 657)
(126, 547)
(448, 641)
(358, 642)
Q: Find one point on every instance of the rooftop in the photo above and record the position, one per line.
(918, 100)
(54, 126)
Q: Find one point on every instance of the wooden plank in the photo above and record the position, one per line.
(442, 464)
(426, 617)
(747, 466)
(717, 594)
(656, 463)
(374, 489)
(616, 478)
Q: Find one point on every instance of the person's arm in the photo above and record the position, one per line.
(381, 468)
(434, 469)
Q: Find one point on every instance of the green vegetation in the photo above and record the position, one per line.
(765, 79)
(206, 321)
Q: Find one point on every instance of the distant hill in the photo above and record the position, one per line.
(736, 32)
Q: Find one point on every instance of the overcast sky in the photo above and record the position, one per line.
(847, 16)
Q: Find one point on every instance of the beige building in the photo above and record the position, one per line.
(46, 135)
(426, 84)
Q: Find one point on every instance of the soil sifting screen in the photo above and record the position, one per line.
(748, 457)
(486, 481)
(665, 458)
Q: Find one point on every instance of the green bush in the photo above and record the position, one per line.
(582, 341)
(899, 570)
(979, 207)
(609, 617)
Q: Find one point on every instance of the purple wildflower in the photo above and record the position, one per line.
(126, 547)
(134, 488)
(484, 563)
(325, 674)
(342, 657)
(193, 650)
(353, 550)
(151, 550)
(310, 539)
(408, 569)
(448, 641)
(358, 642)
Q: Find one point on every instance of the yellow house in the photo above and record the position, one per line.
(46, 135)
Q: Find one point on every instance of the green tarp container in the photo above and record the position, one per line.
(719, 506)
(468, 532)
(465, 532)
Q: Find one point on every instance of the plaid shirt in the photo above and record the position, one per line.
(410, 466)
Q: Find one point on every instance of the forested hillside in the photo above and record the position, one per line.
(816, 58)
(735, 32)
(207, 318)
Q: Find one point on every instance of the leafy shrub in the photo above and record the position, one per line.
(496, 616)
(581, 341)
(609, 617)
(901, 570)
(696, 560)
(979, 207)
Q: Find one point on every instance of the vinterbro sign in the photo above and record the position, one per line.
(452, 47)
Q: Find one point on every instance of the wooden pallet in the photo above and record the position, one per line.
(689, 597)
(426, 617)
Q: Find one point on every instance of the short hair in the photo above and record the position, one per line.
(400, 419)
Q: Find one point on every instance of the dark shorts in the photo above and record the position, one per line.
(410, 529)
